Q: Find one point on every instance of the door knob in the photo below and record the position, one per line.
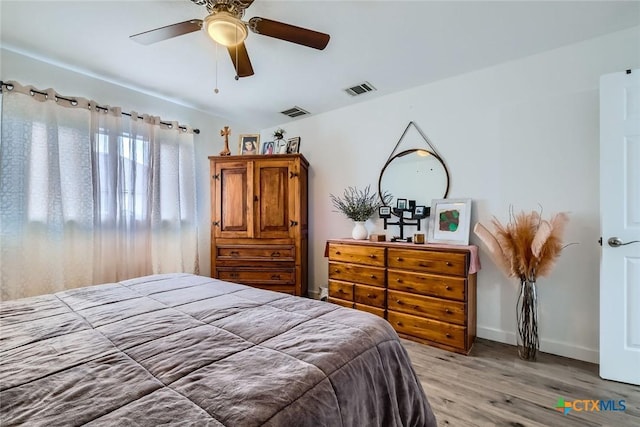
(614, 242)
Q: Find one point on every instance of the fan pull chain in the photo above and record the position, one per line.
(237, 77)
(216, 90)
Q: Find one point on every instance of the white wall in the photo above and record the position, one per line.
(523, 134)
(42, 75)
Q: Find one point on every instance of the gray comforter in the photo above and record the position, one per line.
(189, 350)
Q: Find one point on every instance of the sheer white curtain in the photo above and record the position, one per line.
(89, 195)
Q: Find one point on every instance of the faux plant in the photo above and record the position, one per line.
(528, 246)
(279, 133)
(359, 205)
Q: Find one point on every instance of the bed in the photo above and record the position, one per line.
(181, 349)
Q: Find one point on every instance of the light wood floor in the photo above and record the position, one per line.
(493, 387)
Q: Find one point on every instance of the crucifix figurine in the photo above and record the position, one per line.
(225, 132)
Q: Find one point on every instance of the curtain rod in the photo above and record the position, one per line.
(75, 102)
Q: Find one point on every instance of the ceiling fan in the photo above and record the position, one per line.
(224, 25)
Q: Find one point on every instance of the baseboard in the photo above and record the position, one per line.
(546, 345)
(313, 293)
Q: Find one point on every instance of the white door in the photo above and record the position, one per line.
(620, 226)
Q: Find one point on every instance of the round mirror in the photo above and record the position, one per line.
(415, 174)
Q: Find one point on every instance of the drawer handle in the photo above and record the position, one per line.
(398, 259)
(422, 264)
(337, 270)
(448, 264)
(371, 296)
(446, 310)
(234, 253)
(399, 323)
(337, 252)
(399, 302)
(447, 287)
(275, 277)
(340, 291)
(275, 254)
(372, 256)
(448, 335)
(399, 280)
(373, 276)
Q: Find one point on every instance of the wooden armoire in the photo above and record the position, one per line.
(259, 221)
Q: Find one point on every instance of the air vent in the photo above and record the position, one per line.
(295, 112)
(360, 89)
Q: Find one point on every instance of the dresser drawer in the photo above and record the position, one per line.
(341, 302)
(427, 284)
(452, 263)
(254, 277)
(428, 329)
(434, 308)
(256, 252)
(357, 273)
(356, 254)
(369, 295)
(342, 290)
(369, 309)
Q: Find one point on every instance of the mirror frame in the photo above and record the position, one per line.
(402, 154)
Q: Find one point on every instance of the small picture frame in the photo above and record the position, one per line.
(384, 212)
(449, 222)
(281, 146)
(268, 148)
(411, 205)
(402, 204)
(248, 144)
(420, 211)
(293, 145)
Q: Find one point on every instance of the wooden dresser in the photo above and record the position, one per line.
(259, 221)
(427, 292)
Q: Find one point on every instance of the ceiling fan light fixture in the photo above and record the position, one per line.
(226, 29)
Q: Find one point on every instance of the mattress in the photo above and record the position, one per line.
(181, 349)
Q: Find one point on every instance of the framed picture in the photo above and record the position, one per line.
(268, 147)
(384, 212)
(281, 146)
(402, 204)
(293, 145)
(420, 211)
(248, 144)
(449, 223)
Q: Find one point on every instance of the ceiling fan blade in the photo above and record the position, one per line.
(170, 31)
(243, 65)
(290, 33)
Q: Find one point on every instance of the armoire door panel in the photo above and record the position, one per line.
(274, 208)
(233, 216)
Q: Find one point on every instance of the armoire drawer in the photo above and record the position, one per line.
(428, 329)
(356, 273)
(255, 276)
(256, 252)
(427, 284)
(355, 254)
(452, 263)
(434, 308)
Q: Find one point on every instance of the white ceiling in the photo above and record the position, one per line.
(394, 45)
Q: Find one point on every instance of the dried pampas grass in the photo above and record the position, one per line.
(528, 246)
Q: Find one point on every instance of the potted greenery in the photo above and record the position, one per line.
(359, 206)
